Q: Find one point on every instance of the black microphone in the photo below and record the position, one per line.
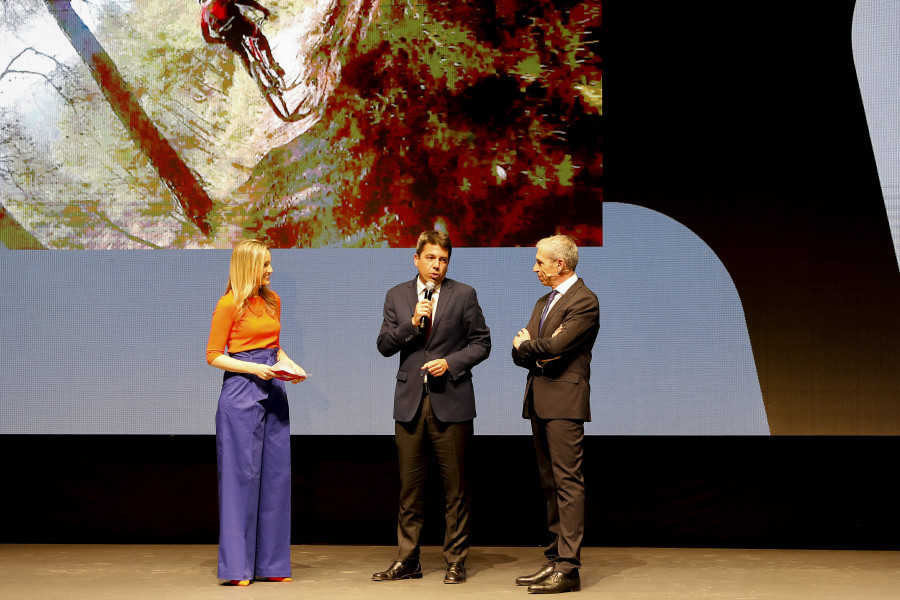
(429, 291)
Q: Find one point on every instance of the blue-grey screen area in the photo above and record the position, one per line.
(113, 342)
(876, 47)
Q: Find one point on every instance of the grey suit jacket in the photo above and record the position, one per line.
(561, 389)
(458, 334)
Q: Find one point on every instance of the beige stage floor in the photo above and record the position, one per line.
(37, 572)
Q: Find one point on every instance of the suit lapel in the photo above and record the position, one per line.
(443, 301)
(412, 296)
(562, 302)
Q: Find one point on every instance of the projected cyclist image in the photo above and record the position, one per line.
(303, 123)
(222, 22)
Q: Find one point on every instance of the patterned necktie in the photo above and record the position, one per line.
(546, 309)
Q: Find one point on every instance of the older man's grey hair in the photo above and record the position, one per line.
(558, 247)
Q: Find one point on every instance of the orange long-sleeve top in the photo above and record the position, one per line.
(256, 329)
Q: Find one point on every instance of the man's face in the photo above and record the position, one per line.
(432, 264)
(547, 270)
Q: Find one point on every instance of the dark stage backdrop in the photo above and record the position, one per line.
(751, 492)
(747, 127)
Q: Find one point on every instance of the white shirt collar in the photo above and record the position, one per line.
(565, 285)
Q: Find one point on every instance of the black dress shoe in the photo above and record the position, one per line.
(556, 584)
(456, 573)
(544, 572)
(399, 570)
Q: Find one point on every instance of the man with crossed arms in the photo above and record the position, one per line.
(556, 347)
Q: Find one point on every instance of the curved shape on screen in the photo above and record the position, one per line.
(674, 355)
(875, 50)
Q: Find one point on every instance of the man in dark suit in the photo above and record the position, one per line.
(555, 347)
(434, 399)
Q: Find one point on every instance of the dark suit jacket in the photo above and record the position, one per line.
(562, 388)
(458, 334)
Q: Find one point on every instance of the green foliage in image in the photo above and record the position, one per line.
(457, 117)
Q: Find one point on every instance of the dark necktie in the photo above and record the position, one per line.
(546, 310)
(428, 320)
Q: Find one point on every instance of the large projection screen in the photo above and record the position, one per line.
(134, 154)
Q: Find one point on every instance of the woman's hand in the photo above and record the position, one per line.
(264, 372)
(298, 369)
(292, 367)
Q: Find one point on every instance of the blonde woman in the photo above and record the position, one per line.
(253, 434)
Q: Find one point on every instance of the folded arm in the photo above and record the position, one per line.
(580, 321)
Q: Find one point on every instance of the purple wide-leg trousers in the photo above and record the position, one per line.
(253, 448)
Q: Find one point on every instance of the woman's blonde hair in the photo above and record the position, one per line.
(245, 277)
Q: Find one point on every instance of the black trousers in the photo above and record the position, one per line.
(448, 443)
(559, 446)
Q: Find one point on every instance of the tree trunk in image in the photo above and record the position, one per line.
(178, 177)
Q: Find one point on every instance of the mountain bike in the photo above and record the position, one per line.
(269, 77)
(267, 74)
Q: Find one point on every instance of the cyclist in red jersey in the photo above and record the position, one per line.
(222, 22)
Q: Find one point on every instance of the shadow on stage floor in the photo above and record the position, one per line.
(136, 572)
